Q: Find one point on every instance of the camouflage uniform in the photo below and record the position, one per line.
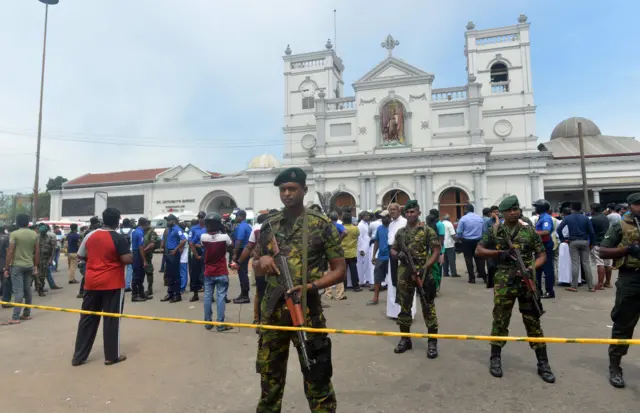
(419, 241)
(273, 346)
(150, 237)
(626, 310)
(504, 296)
(47, 246)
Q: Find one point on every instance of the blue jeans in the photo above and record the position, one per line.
(128, 275)
(184, 275)
(221, 284)
(56, 258)
(21, 280)
(549, 273)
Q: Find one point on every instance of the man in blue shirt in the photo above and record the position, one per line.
(174, 244)
(544, 228)
(469, 231)
(241, 238)
(137, 248)
(581, 240)
(73, 243)
(381, 262)
(196, 269)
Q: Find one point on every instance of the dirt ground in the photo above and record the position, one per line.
(185, 368)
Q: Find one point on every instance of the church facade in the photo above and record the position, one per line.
(396, 137)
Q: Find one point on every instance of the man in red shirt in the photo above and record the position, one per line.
(216, 276)
(106, 253)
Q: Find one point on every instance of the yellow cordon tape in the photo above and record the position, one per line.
(558, 340)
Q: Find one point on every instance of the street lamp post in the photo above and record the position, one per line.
(34, 211)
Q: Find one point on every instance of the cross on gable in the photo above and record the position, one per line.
(390, 43)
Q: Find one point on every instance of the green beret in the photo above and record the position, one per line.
(633, 198)
(508, 203)
(296, 175)
(411, 204)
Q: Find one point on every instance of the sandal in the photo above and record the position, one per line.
(592, 290)
(13, 322)
(344, 297)
(573, 290)
(25, 317)
(112, 362)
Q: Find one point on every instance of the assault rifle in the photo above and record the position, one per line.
(527, 276)
(417, 277)
(293, 302)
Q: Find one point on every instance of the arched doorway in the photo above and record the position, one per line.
(218, 201)
(452, 202)
(395, 196)
(343, 201)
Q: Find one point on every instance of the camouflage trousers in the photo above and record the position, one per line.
(39, 279)
(273, 356)
(504, 298)
(405, 293)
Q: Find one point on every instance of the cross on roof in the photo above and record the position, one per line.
(389, 44)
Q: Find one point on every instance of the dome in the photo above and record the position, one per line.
(568, 128)
(264, 161)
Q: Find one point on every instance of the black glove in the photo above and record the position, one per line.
(634, 250)
(506, 256)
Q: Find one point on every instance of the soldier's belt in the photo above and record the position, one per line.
(628, 272)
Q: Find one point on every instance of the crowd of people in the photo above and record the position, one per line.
(390, 249)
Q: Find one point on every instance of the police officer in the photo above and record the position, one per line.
(508, 283)
(622, 243)
(544, 228)
(290, 226)
(421, 242)
(196, 265)
(174, 245)
(137, 248)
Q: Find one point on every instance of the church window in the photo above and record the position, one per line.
(499, 78)
(307, 103)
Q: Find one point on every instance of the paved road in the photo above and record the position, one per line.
(184, 368)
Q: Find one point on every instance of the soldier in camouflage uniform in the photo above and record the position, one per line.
(421, 242)
(508, 285)
(622, 242)
(323, 246)
(151, 241)
(47, 246)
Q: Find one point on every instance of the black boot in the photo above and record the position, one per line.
(432, 348)
(41, 292)
(495, 362)
(138, 298)
(195, 297)
(544, 370)
(615, 372)
(405, 342)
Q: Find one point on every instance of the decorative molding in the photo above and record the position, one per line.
(437, 193)
(362, 130)
(380, 194)
(503, 128)
(424, 124)
(366, 101)
(509, 111)
(417, 97)
(449, 104)
(294, 129)
(351, 113)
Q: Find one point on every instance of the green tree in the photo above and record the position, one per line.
(55, 183)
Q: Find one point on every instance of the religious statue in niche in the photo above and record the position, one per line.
(392, 123)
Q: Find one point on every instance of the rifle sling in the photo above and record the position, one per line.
(305, 261)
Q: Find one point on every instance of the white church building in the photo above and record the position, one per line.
(397, 137)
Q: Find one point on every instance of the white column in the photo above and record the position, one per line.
(373, 195)
(596, 196)
(418, 188)
(477, 191)
(428, 191)
(535, 188)
(363, 193)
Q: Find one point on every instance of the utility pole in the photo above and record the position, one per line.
(585, 191)
(34, 209)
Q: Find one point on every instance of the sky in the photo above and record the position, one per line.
(134, 84)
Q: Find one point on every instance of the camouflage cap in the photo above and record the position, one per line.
(508, 203)
(411, 204)
(296, 175)
(634, 198)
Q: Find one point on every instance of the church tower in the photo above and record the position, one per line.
(500, 60)
(307, 77)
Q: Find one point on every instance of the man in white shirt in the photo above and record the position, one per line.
(449, 245)
(364, 254)
(373, 227)
(397, 222)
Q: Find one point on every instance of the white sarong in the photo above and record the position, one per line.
(364, 261)
(393, 309)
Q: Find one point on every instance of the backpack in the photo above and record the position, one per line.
(127, 236)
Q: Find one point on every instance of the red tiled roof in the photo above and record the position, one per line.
(214, 174)
(116, 177)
